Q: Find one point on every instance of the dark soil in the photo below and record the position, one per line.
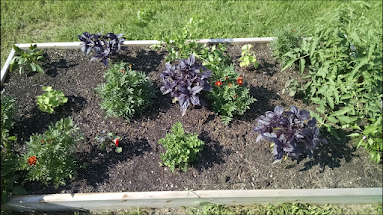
(231, 159)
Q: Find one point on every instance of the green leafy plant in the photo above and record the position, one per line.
(109, 141)
(248, 57)
(27, 59)
(48, 156)
(344, 61)
(371, 138)
(292, 86)
(126, 92)
(181, 148)
(284, 40)
(51, 99)
(229, 96)
(8, 158)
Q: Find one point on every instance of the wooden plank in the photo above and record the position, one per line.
(76, 45)
(6, 65)
(175, 199)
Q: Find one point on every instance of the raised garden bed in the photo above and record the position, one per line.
(231, 158)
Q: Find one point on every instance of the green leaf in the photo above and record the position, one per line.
(5, 171)
(354, 37)
(13, 67)
(21, 70)
(370, 129)
(18, 50)
(344, 120)
(333, 132)
(39, 69)
(313, 46)
(363, 61)
(64, 100)
(302, 64)
(332, 119)
(354, 135)
(118, 149)
(321, 108)
(288, 64)
(330, 101)
(33, 66)
(342, 111)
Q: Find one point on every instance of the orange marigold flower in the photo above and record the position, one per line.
(235, 96)
(32, 160)
(130, 65)
(240, 81)
(42, 141)
(230, 84)
(294, 30)
(226, 77)
(122, 71)
(218, 83)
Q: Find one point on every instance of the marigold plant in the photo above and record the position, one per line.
(48, 156)
(229, 96)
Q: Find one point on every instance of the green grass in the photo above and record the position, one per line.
(61, 21)
(285, 208)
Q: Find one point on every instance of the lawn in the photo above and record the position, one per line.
(61, 21)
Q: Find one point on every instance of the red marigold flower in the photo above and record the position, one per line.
(230, 84)
(218, 83)
(42, 141)
(226, 77)
(115, 141)
(32, 160)
(240, 81)
(235, 96)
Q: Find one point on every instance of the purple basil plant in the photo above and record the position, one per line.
(102, 45)
(289, 132)
(184, 81)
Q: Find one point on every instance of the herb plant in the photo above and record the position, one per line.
(184, 81)
(103, 45)
(248, 57)
(229, 96)
(126, 92)
(51, 99)
(292, 86)
(27, 59)
(344, 61)
(109, 141)
(48, 156)
(181, 148)
(289, 132)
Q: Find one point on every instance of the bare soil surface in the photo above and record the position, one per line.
(230, 159)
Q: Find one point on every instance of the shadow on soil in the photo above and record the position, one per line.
(145, 61)
(212, 153)
(50, 67)
(259, 107)
(37, 117)
(331, 154)
(99, 166)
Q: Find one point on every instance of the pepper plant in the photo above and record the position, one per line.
(109, 141)
(181, 148)
(51, 99)
(27, 59)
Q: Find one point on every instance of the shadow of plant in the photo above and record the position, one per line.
(50, 66)
(331, 154)
(211, 154)
(28, 125)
